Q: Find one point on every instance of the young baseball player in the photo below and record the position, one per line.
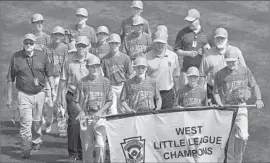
(140, 93)
(126, 25)
(37, 29)
(190, 44)
(93, 96)
(57, 53)
(191, 94)
(231, 87)
(101, 48)
(117, 68)
(81, 28)
(137, 41)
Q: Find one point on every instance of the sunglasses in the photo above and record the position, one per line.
(81, 46)
(28, 43)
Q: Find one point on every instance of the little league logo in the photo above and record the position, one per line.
(134, 149)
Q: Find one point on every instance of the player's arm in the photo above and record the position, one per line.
(128, 68)
(178, 101)
(241, 59)
(10, 80)
(157, 97)
(176, 75)
(217, 85)
(108, 98)
(203, 70)
(49, 73)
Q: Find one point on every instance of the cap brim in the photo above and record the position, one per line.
(114, 41)
(230, 59)
(190, 19)
(140, 65)
(162, 41)
(81, 43)
(193, 74)
(224, 36)
(73, 50)
(29, 39)
(93, 64)
(135, 7)
(138, 23)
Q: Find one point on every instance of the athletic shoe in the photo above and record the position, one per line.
(35, 146)
(63, 134)
(26, 154)
(48, 129)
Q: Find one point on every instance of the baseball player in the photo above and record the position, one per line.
(137, 41)
(213, 61)
(191, 42)
(93, 97)
(57, 53)
(101, 48)
(164, 29)
(117, 68)
(74, 70)
(191, 94)
(37, 29)
(81, 28)
(126, 25)
(140, 93)
(232, 87)
(29, 68)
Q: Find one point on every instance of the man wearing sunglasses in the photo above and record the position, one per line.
(81, 28)
(74, 70)
(57, 52)
(37, 28)
(191, 42)
(30, 67)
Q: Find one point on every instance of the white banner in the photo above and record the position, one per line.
(182, 136)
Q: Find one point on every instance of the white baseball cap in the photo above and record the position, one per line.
(221, 32)
(114, 37)
(140, 61)
(82, 40)
(30, 36)
(192, 15)
(137, 4)
(58, 29)
(161, 36)
(36, 17)
(82, 11)
(193, 71)
(103, 29)
(137, 20)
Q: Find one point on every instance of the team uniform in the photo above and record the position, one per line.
(92, 95)
(56, 57)
(191, 97)
(100, 50)
(116, 69)
(42, 40)
(134, 47)
(212, 62)
(231, 85)
(140, 96)
(87, 31)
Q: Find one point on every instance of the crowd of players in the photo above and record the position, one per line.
(84, 74)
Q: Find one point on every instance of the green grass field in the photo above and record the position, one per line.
(247, 23)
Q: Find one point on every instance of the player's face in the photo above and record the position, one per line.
(102, 36)
(29, 45)
(193, 80)
(159, 46)
(137, 28)
(136, 11)
(80, 19)
(232, 64)
(94, 69)
(140, 70)
(57, 37)
(81, 49)
(193, 24)
(221, 42)
(38, 25)
(114, 46)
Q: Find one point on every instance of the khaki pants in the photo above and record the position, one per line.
(94, 138)
(239, 136)
(116, 107)
(30, 112)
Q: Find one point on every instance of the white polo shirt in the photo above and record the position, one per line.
(163, 68)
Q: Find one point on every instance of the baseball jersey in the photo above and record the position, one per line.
(140, 96)
(191, 97)
(187, 40)
(232, 84)
(92, 95)
(100, 50)
(87, 31)
(213, 61)
(117, 68)
(56, 56)
(42, 40)
(133, 45)
(126, 27)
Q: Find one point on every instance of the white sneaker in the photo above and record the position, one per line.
(48, 129)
